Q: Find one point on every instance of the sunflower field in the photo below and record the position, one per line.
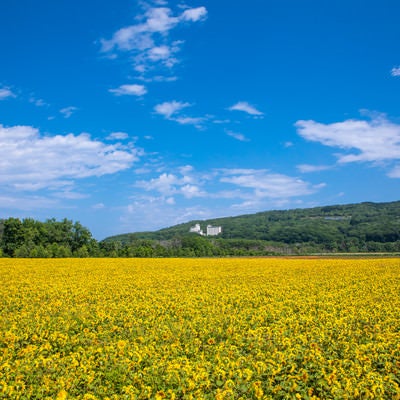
(257, 328)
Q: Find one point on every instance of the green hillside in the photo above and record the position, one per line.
(364, 227)
(352, 227)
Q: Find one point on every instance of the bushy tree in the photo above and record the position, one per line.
(30, 238)
(13, 236)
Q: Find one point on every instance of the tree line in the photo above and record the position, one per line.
(31, 238)
(335, 229)
(361, 227)
(58, 239)
(65, 238)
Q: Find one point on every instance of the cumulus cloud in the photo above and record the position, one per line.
(37, 102)
(31, 161)
(148, 40)
(395, 71)
(194, 14)
(265, 184)
(196, 121)
(306, 168)
(129, 90)
(190, 191)
(245, 184)
(169, 184)
(171, 110)
(155, 212)
(376, 140)
(71, 195)
(117, 136)
(6, 93)
(245, 107)
(237, 136)
(395, 172)
(68, 111)
(164, 184)
(183, 193)
(27, 202)
(165, 55)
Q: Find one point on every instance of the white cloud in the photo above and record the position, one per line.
(148, 41)
(376, 140)
(255, 185)
(6, 93)
(170, 200)
(190, 121)
(27, 203)
(158, 78)
(395, 172)
(169, 108)
(194, 14)
(159, 53)
(69, 194)
(165, 54)
(190, 191)
(164, 184)
(265, 184)
(168, 184)
(221, 121)
(68, 111)
(38, 102)
(31, 161)
(245, 107)
(238, 136)
(117, 136)
(395, 71)
(238, 171)
(184, 194)
(150, 213)
(129, 90)
(186, 169)
(305, 168)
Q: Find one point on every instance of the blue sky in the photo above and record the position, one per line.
(136, 115)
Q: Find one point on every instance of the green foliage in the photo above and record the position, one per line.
(338, 228)
(13, 236)
(35, 239)
(364, 227)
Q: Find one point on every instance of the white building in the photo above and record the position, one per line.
(213, 230)
(196, 229)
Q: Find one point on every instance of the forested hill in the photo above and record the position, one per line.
(364, 227)
(336, 227)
